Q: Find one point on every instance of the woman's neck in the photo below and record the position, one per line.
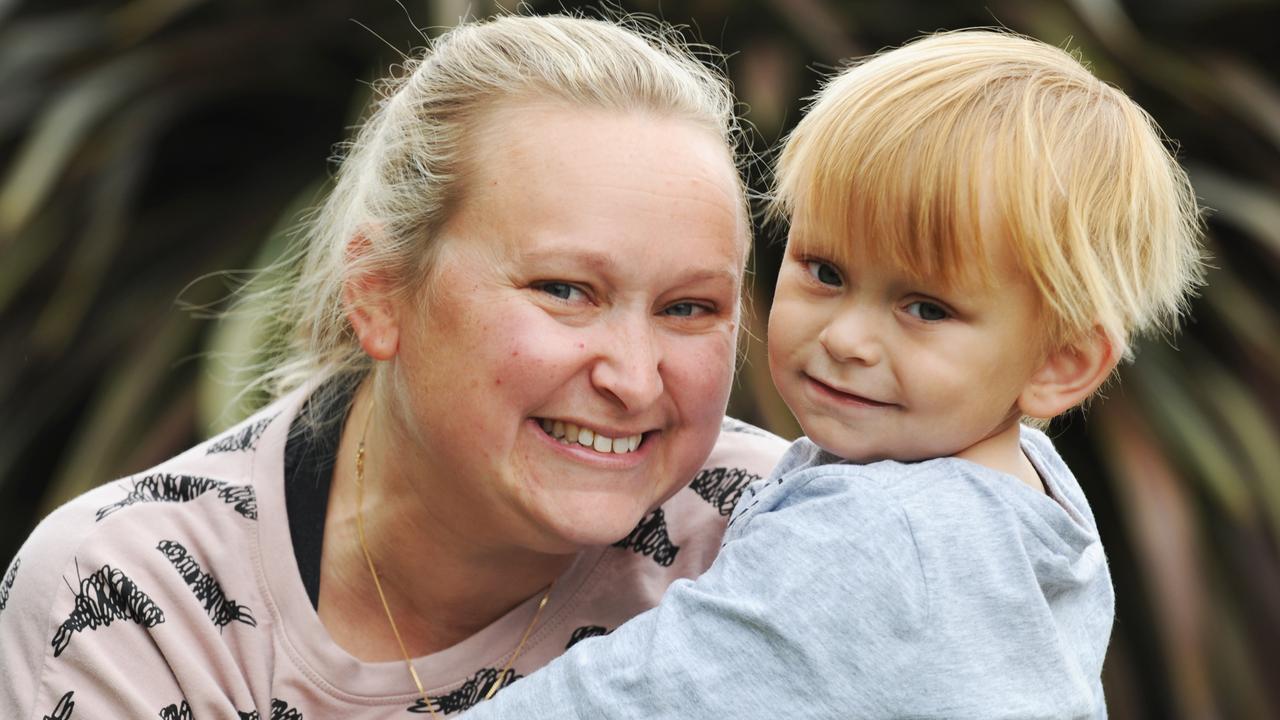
(443, 583)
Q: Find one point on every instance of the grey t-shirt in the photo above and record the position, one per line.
(939, 589)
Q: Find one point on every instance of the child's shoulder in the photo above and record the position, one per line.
(933, 497)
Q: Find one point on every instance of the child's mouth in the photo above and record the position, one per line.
(844, 396)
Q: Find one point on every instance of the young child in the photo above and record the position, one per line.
(978, 229)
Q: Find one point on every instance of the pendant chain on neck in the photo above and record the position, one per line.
(373, 571)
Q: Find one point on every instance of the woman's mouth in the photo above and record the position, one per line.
(570, 433)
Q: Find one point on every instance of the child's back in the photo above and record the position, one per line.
(965, 592)
(978, 229)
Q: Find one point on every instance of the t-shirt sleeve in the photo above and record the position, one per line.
(63, 653)
(824, 588)
(94, 618)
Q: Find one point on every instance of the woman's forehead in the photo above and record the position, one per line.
(603, 191)
(533, 138)
(607, 175)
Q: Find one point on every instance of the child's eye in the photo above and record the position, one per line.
(824, 273)
(928, 311)
(561, 290)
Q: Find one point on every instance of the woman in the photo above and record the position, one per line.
(512, 341)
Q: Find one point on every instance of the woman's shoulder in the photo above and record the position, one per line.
(743, 450)
(168, 547)
(205, 496)
(219, 467)
(221, 471)
(743, 454)
(191, 494)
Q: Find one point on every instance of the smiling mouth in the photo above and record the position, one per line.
(569, 433)
(847, 397)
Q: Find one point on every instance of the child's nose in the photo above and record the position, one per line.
(852, 336)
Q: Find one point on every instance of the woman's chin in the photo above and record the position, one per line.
(592, 522)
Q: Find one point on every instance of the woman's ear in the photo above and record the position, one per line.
(1069, 376)
(368, 295)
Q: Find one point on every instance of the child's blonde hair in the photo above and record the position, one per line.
(920, 155)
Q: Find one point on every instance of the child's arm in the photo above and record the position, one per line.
(935, 589)
(812, 609)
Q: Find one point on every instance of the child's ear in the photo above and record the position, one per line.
(1069, 376)
(368, 299)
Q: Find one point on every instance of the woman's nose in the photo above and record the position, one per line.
(628, 369)
(851, 335)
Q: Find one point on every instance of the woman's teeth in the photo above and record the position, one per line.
(569, 433)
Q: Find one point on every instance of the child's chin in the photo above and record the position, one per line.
(861, 456)
(866, 456)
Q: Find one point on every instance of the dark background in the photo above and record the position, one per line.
(147, 146)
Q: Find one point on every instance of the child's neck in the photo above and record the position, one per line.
(1002, 451)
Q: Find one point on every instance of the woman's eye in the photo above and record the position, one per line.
(824, 273)
(928, 311)
(562, 290)
(686, 309)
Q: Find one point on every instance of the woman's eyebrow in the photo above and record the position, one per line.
(592, 259)
(600, 261)
(698, 275)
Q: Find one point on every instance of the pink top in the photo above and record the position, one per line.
(175, 593)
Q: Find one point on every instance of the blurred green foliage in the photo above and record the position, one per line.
(148, 144)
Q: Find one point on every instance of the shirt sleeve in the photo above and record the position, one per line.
(97, 622)
(814, 609)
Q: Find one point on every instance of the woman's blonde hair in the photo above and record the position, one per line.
(407, 166)
(922, 154)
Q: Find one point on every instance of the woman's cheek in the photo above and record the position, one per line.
(531, 350)
(703, 371)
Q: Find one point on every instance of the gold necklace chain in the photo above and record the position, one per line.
(368, 558)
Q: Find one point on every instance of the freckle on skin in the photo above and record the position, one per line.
(581, 345)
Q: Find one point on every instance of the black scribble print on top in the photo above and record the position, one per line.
(584, 632)
(6, 585)
(164, 487)
(753, 499)
(104, 597)
(650, 539)
(280, 710)
(176, 712)
(471, 692)
(246, 438)
(62, 711)
(722, 486)
(241, 499)
(220, 609)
